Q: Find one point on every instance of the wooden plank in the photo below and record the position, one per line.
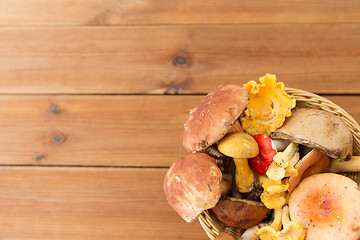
(101, 130)
(117, 12)
(88, 203)
(323, 58)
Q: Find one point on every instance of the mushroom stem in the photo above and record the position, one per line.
(285, 216)
(295, 159)
(250, 234)
(276, 224)
(280, 144)
(244, 176)
(291, 149)
(352, 165)
(225, 187)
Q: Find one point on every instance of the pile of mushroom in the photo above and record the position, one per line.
(260, 165)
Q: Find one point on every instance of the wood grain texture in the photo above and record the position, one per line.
(88, 203)
(101, 130)
(116, 12)
(322, 58)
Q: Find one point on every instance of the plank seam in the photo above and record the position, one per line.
(83, 166)
(169, 25)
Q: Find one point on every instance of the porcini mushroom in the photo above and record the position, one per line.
(213, 116)
(318, 129)
(192, 185)
(240, 213)
(327, 205)
(240, 146)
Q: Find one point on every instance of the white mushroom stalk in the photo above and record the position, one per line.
(276, 224)
(285, 216)
(250, 234)
(292, 152)
(283, 165)
(352, 165)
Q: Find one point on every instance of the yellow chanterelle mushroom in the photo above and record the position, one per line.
(269, 105)
(292, 230)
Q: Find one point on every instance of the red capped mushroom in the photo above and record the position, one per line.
(327, 205)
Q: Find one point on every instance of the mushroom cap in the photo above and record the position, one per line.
(224, 236)
(318, 129)
(328, 207)
(238, 145)
(213, 116)
(240, 213)
(192, 185)
(310, 159)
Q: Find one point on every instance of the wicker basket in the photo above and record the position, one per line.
(213, 227)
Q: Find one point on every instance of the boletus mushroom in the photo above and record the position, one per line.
(240, 213)
(192, 185)
(240, 146)
(213, 116)
(327, 205)
(318, 129)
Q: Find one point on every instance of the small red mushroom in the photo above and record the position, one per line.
(261, 163)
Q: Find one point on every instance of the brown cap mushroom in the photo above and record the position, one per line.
(191, 185)
(327, 205)
(240, 213)
(318, 129)
(213, 116)
(224, 236)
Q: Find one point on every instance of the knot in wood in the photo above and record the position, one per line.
(54, 108)
(58, 138)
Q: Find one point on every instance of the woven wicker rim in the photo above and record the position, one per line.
(306, 99)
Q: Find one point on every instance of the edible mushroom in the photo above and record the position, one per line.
(327, 205)
(213, 116)
(240, 213)
(318, 129)
(240, 146)
(192, 185)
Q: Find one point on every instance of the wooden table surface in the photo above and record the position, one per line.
(94, 95)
